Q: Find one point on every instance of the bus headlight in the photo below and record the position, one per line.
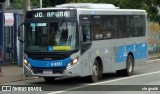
(74, 61)
(26, 63)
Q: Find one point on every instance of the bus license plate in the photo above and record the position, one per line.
(47, 72)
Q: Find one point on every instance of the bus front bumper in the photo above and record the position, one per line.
(72, 72)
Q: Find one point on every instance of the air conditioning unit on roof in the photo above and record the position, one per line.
(88, 5)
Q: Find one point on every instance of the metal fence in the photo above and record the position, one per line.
(8, 40)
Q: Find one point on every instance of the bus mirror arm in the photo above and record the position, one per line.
(20, 33)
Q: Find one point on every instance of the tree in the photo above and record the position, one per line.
(16, 4)
(152, 9)
(52, 3)
(2, 6)
(85, 1)
(151, 6)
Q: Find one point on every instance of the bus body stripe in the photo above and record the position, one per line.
(49, 63)
(139, 51)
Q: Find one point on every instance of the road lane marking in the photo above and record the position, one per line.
(126, 78)
(56, 92)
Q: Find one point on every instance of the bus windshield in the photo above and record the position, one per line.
(51, 36)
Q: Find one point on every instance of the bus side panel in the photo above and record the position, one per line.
(101, 49)
(85, 60)
(139, 48)
(118, 52)
(131, 45)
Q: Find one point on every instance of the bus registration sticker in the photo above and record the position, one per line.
(47, 72)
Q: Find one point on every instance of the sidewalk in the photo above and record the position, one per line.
(154, 56)
(13, 73)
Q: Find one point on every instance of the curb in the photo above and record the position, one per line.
(153, 61)
(21, 79)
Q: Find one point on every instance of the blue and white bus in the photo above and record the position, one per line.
(83, 39)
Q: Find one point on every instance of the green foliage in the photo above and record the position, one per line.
(85, 1)
(49, 3)
(17, 4)
(149, 5)
(34, 3)
(52, 3)
(129, 4)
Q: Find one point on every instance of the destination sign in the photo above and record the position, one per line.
(50, 14)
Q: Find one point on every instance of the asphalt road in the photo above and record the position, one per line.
(145, 79)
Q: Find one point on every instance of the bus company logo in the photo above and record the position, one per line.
(52, 64)
(57, 64)
(6, 88)
(21, 88)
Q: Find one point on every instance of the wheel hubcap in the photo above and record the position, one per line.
(95, 71)
(130, 66)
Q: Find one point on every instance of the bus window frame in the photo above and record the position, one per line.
(85, 45)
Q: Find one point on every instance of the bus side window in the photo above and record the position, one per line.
(108, 26)
(86, 32)
(118, 26)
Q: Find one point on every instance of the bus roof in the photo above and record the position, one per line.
(88, 6)
(80, 5)
(92, 7)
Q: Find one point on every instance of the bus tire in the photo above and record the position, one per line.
(49, 79)
(95, 72)
(129, 66)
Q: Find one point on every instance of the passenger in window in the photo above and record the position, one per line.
(43, 36)
(52, 35)
(64, 37)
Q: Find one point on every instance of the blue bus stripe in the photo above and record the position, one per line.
(139, 51)
(49, 63)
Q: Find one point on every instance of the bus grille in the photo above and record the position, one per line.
(54, 71)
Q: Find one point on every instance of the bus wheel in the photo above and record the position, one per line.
(95, 72)
(129, 66)
(49, 79)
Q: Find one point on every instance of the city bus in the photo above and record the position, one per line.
(83, 40)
